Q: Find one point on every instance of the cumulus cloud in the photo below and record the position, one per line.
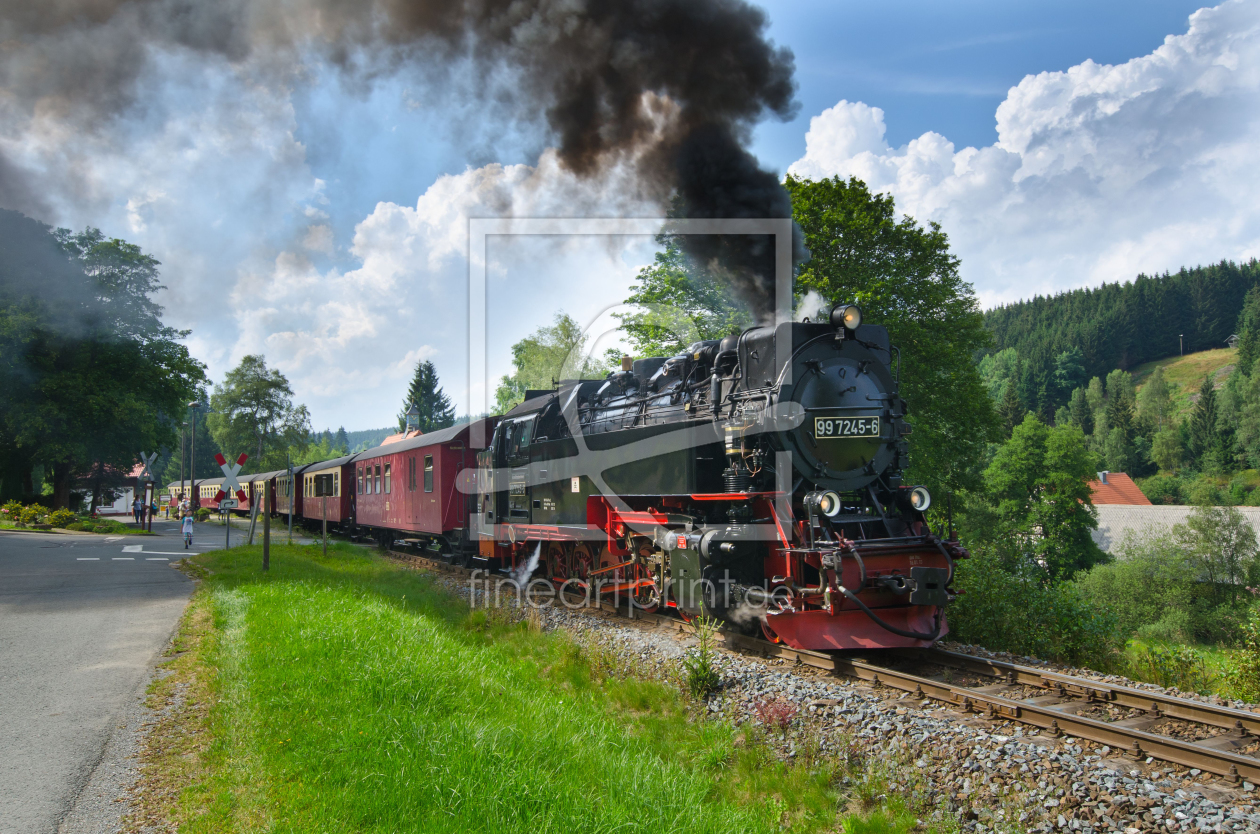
(349, 339)
(1099, 172)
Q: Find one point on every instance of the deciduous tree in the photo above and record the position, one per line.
(254, 413)
(904, 277)
(1038, 482)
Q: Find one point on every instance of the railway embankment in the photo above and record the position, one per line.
(347, 693)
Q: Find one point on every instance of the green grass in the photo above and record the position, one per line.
(352, 695)
(1185, 373)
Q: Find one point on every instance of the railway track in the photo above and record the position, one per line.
(1139, 723)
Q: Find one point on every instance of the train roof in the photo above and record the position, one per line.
(433, 438)
(320, 466)
(263, 476)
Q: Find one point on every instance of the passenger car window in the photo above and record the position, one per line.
(387, 479)
(428, 473)
(359, 473)
(378, 478)
(336, 484)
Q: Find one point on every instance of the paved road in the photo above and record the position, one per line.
(82, 619)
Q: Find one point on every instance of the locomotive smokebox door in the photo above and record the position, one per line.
(323, 485)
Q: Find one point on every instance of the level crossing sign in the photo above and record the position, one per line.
(148, 462)
(230, 471)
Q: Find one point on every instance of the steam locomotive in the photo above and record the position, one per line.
(756, 479)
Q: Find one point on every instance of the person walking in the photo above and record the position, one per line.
(137, 506)
(187, 526)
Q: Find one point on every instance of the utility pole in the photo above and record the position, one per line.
(267, 527)
(325, 515)
(192, 461)
(1181, 344)
(183, 433)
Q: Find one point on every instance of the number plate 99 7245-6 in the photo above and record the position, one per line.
(826, 427)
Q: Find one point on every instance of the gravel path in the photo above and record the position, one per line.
(993, 776)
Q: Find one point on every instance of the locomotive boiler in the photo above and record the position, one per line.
(756, 478)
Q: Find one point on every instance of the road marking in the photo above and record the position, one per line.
(124, 558)
(133, 548)
(113, 538)
(89, 558)
(157, 559)
(165, 553)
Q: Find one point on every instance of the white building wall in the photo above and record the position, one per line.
(1115, 519)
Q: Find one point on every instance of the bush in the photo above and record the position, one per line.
(11, 511)
(1150, 578)
(1162, 489)
(1242, 672)
(1009, 604)
(31, 514)
(60, 518)
(1179, 666)
(202, 513)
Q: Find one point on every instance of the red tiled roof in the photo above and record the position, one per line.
(395, 438)
(1119, 489)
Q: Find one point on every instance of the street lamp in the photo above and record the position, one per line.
(413, 418)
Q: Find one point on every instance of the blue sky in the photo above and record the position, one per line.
(324, 223)
(945, 67)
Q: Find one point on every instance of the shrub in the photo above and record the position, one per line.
(1179, 666)
(702, 677)
(60, 518)
(1151, 577)
(11, 511)
(1242, 672)
(1162, 489)
(1010, 604)
(202, 513)
(31, 514)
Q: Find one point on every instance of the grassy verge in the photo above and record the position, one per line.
(349, 694)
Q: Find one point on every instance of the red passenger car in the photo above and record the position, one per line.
(337, 508)
(408, 488)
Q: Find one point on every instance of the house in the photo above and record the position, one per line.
(1232, 341)
(1117, 488)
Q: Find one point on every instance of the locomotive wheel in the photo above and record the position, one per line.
(769, 633)
(557, 562)
(581, 561)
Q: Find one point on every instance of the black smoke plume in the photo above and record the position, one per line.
(673, 87)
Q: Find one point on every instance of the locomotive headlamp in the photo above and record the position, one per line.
(823, 503)
(920, 498)
(848, 316)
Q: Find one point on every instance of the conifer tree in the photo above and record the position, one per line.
(436, 411)
(1011, 410)
(1204, 437)
(1082, 414)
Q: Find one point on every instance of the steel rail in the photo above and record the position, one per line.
(1056, 718)
(1155, 703)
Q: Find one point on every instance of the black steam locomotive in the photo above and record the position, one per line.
(757, 479)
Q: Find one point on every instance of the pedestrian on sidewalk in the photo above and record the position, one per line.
(187, 525)
(137, 506)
